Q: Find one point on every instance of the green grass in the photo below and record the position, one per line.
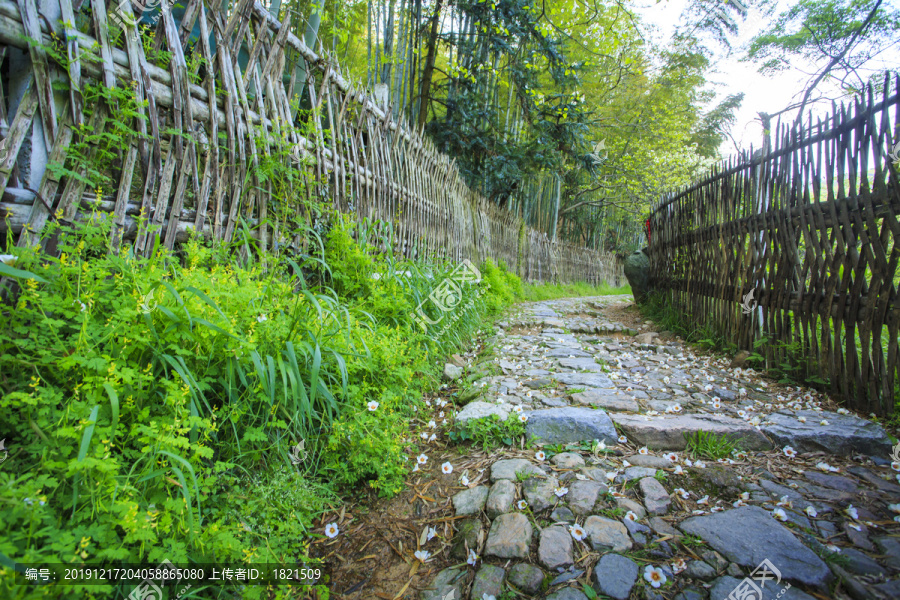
(535, 293)
(704, 444)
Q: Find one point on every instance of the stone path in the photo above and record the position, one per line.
(802, 507)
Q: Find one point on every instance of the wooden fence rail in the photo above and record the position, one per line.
(811, 228)
(208, 101)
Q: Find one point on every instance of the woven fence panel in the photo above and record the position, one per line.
(810, 227)
(231, 112)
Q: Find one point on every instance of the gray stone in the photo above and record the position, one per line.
(628, 504)
(646, 338)
(567, 425)
(614, 576)
(872, 478)
(567, 594)
(861, 564)
(637, 271)
(844, 434)
(697, 569)
(890, 548)
(488, 580)
(452, 372)
(888, 590)
(447, 582)
(836, 482)
(607, 535)
(466, 537)
(666, 432)
(723, 586)
(471, 501)
(481, 410)
(647, 460)
(580, 364)
(562, 514)
(690, 594)
(565, 576)
(555, 548)
(749, 535)
(656, 498)
(507, 469)
(568, 460)
(777, 491)
(583, 496)
(587, 380)
(540, 493)
(662, 527)
(635, 473)
(606, 399)
(527, 578)
(537, 383)
(509, 537)
(500, 499)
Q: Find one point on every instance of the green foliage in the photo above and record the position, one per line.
(705, 444)
(489, 432)
(153, 406)
(535, 293)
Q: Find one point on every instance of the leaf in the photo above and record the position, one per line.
(8, 271)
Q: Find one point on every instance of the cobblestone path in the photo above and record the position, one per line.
(779, 494)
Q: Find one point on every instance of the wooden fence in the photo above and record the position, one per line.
(208, 98)
(810, 227)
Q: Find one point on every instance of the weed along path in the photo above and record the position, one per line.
(578, 454)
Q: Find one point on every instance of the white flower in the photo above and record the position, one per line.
(682, 492)
(331, 530)
(622, 439)
(779, 514)
(432, 424)
(823, 422)
(447, 468)
(373, 406)
(561, 491)
(422, 459)
(422, 555)
(716, 509)
(644, 451)
(741, 413)
(679, 470)
(786, 502)
(801, 419)
(631, 516)
(671, 457)
(852, 512)
(894, 507)
(703, 500)
(523, 417)
(811, 512)
(425, 435)
(739, 503)
(826, 467)
(539, 455)
(688, 462)
(789, 452)
(430, 533)
(855, 526)
(577, 532)
(654, 575)
(517, 409)
(843, 411)
(678, 566)
(611, 476)
(895, 465)
(432, 437)
(464, 480)
(473, 558)
(261, 318)
(745, 496)
(700, 464)
(486, 596)
(8, 259)
(522, 505)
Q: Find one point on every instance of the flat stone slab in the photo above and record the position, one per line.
(570, 424)
(666, 432)
(607, 535)
(567, 594)
(580, 364)
(556, 548)
(471, 501)
(540, 493)
(448, 585)
(481, 410)
(614, 576)
(723, 586)
(568, 460)
(656, 498)
(583, 496)
(607, 399)
(488, 580)
(844, 434)
(507, 469)
(749, 535)
(596, 380)
(500, 499)
(509, 537)
(527, 578)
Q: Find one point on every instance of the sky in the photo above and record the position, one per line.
(762, 93)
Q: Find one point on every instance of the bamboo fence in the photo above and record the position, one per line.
(229, 112)
(810, 227)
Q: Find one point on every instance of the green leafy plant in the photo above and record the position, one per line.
(705, 444)
(489, 432)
